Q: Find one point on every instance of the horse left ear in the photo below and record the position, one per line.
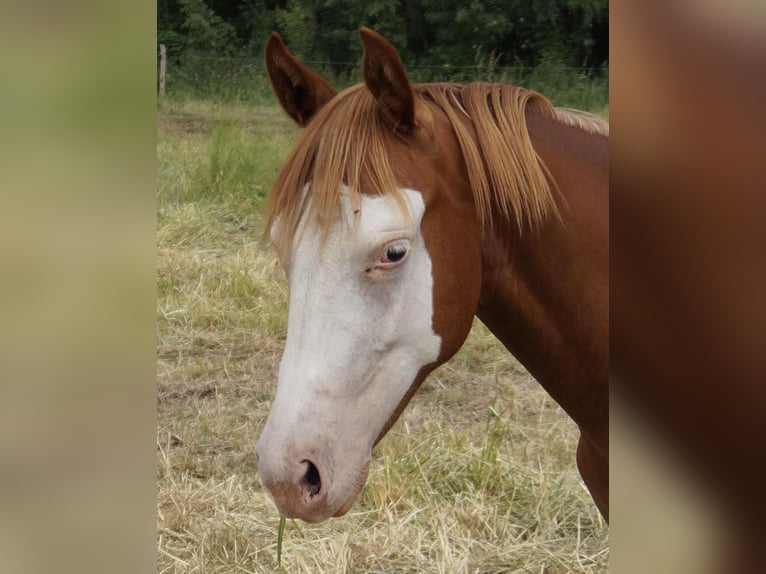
(385, 77)
(300, 91)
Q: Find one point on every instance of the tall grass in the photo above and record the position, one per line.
(477, 476)
(243, 81)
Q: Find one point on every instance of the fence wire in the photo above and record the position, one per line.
(242, 78)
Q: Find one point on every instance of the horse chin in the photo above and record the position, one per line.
(345, 508)
(361, 479)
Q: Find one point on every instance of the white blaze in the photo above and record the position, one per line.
(357, 335)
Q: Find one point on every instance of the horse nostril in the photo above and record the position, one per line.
(311, 480)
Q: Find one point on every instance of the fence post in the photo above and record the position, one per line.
(163, 61)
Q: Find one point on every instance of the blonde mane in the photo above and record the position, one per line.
(347, 142)
(586, 121)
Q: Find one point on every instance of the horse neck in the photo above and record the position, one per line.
(545, 291)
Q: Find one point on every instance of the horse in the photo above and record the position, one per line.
(403, 211)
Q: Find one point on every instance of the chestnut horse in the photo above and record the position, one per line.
(403, 211)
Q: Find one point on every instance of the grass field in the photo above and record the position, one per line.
(478, 475)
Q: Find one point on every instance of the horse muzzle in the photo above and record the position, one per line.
(311, 489)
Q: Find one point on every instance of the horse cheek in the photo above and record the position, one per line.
(453, 244)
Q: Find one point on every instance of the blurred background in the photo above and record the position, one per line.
(78, 213)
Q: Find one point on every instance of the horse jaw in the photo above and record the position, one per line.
(358, 336)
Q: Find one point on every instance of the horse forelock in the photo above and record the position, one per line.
(344, 147)
(346, 144)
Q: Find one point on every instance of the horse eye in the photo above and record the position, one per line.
(396, 253)
(393, 254)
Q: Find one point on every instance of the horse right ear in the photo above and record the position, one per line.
(301, 92)
(385, 77)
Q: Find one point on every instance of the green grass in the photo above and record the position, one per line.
(477, 476)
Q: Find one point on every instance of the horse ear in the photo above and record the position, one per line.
(385, 77)
(300, 91)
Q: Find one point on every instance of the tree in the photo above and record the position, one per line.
(206, 31)
(438, 39)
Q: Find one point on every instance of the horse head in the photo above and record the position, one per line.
(383, 262)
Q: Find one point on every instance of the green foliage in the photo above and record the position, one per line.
(215, 44)
(206, 31)
(296, 28)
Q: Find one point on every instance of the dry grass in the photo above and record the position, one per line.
(477, 476)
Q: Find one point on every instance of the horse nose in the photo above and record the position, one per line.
(296, 488)
(311, 481)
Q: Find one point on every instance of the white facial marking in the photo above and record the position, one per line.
(359, 331)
